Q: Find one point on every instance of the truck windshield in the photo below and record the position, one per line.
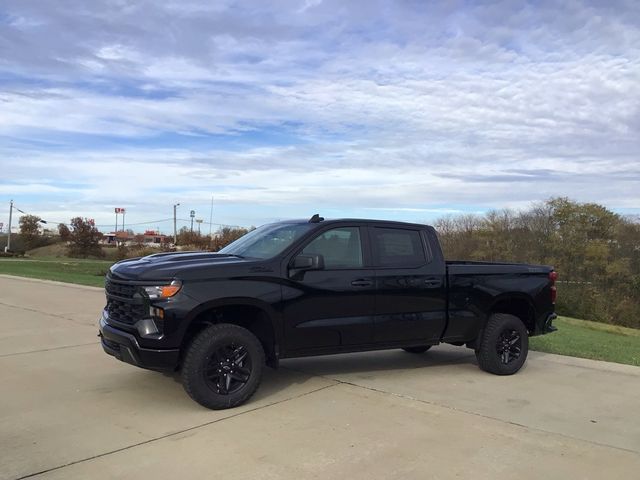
(267, 241)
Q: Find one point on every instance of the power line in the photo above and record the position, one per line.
(214, 224)
(139, 223)
(108, 225)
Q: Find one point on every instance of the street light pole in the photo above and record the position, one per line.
(210, 224)
(8, 247)
(175, 227)
(211, 216)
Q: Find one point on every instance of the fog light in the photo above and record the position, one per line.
(156, 312)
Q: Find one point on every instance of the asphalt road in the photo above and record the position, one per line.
(69, 411)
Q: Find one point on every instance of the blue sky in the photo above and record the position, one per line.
(406, 110)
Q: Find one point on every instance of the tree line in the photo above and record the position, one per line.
(82, 239)
(595, 251)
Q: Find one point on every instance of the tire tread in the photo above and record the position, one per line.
(488, 359)
(199, 392)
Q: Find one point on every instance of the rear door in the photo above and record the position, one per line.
(332, 307)
(410, 291)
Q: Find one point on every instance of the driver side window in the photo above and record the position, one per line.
(340, 247)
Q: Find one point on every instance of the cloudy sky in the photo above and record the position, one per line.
(403, 109)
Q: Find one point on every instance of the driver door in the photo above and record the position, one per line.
(333, 306)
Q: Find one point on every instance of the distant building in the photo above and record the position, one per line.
(112, 238)
(150, 238)
(155, 238)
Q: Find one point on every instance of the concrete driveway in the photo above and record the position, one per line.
(69, 411)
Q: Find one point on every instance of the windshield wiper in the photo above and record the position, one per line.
(232, 255)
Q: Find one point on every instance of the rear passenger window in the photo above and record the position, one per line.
(394, 247)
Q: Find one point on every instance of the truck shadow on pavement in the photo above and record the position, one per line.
(299, 375)
(379, 361)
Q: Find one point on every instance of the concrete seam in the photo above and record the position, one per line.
(162, 437)
(435, 404)
(20, 307)
(622, 370)
(48, 349)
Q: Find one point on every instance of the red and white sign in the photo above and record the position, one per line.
(119, 210)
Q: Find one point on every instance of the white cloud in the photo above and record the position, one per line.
(416, 108)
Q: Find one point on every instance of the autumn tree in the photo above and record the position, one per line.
(29, 230)
(226, 235)
(64, 232)
(85, 239)
(594, 250)
(192, 239)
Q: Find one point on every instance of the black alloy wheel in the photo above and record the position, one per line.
(229, 369)
(509, 346)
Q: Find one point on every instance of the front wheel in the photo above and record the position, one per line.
(504, 345)
(223, 366)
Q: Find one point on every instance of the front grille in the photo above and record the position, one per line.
(125, 304)
(123, 312)
(119, 289)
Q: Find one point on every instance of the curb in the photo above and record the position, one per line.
(52, 282)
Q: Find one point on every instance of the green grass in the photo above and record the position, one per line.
(71, 270)
(576, 338)
(585, 339)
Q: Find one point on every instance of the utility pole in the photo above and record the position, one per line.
(210, 224)
(175, 227)
(8, 247)
(123, 211)
(199, 222)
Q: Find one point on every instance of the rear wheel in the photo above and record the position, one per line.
(504, 345)
(223, 366)
(420, 349)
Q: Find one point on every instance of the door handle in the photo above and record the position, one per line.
(432, 283)
(362, 283)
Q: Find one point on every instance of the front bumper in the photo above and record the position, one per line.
(124, 346)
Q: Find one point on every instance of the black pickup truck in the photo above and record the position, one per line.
(314, 287)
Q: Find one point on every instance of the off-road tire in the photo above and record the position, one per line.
(202, 357)
(503, 330)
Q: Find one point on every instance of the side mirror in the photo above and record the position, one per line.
(308, 262)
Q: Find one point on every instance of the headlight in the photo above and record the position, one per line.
(163, 291)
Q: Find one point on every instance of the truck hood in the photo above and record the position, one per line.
(164, 266)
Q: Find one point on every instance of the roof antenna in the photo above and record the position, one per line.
(316, 219)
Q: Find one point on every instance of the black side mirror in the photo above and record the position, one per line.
(308, 262)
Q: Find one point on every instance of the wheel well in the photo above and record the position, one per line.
(252, 318)
(518, 307)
